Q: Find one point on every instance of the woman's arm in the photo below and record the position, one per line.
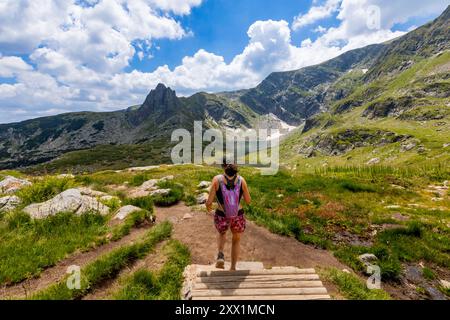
(246, 195)
(212, 194)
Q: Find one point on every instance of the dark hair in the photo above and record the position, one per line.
(231, 169)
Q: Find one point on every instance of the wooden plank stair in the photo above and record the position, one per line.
(278, 283)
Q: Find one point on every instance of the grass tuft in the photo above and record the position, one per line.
(353, 288)
(163, 285)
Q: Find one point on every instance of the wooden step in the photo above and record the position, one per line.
(258, 292)
(275, 283)
(288, 277)
(285, 297)
(256, 283)
(277, 271)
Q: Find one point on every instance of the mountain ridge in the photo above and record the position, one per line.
(335, 86)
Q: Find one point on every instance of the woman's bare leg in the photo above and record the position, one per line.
(221, 239)
(235, 250)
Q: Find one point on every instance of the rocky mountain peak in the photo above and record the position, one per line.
(162, 103)
(160, 95)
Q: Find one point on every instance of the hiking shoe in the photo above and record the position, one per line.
(220, 262)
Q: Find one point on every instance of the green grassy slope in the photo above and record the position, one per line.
(423, 119)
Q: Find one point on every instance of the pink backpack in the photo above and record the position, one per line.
(231, 197)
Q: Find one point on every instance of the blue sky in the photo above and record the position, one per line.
(102, 55)
(220, 26)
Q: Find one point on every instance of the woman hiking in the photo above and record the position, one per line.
(229, 189)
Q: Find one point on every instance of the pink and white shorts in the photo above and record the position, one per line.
(236, 224)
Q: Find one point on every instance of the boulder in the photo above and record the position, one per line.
(109, 198)
(160, 192)
(137, 169)
(125, 211)
(9, 203)
(367, 258)
(68, 201)
(202, 198)
(65, 176)
(445, 284)
(373, 161)
(204, 185)
(408, 146)
(414, 274)
(150, 188)
(149, 185)
(11, 184)
(393, 206)
(346, 270)
(92, 193)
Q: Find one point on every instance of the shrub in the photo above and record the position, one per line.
(145, 203)
(356, 187)
(44, 190)
(175, 195)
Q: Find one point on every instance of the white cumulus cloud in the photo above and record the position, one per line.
(77, 51)
(316, 13)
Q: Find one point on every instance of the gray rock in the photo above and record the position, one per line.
(11, 184)
(204, 185)
(65, 176)
(422, 149)
(201, 199)
(407, 146)
(393, 206)
(367, 258)
(414, 274)
(9, 203)
(373, 161)
(137, 169)
(109, 198)
(346, 271)
(152, 184)
(445, 284)
(125, 211)
(91, 193)
(68, 201)
(434, 293)
(149, 185)
(160, 192)
(187, 216)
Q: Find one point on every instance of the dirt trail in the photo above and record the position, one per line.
(58, 272)
(258, 244)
